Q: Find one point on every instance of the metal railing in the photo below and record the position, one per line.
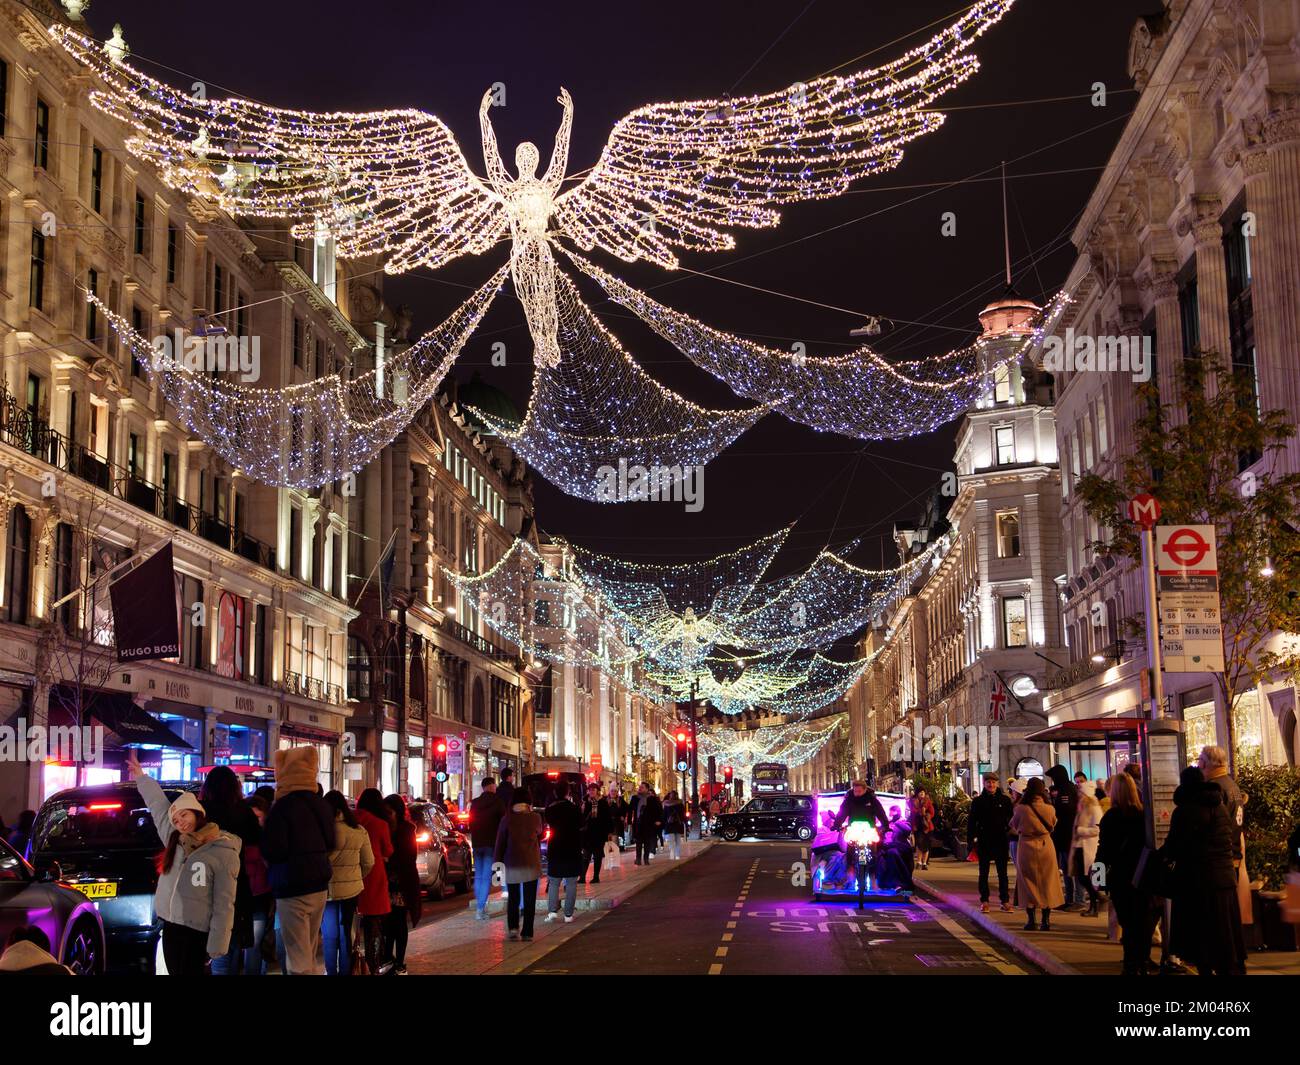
(312, 688)
(22, 429)
(477, 642)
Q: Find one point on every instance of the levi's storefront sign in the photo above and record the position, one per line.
(1187, 583)
(145, 623)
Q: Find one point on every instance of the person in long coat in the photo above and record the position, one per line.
(1121, 837)
(598, 828)
(1063, 794)
(648, 819)
(1038, 876)
(372, 904)
(1205, 925)
(405, 893)
(519, 849)
(564, 858)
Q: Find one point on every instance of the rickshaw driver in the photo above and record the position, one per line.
(861, 804)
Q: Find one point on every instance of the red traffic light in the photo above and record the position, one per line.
(681, 737)
(441, 748)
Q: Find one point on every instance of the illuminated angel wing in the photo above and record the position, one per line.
(387, 183)
(677, 175)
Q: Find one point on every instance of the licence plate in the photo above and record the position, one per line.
(98, 889)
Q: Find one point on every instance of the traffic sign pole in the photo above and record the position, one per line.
(1157, 707)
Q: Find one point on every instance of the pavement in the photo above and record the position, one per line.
(1075, 945)
(456, 942)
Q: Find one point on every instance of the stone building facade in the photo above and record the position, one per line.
(1190, 244)
(96, 467)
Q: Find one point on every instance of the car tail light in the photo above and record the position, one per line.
(423, 837)
(103, 807)
(546, 835)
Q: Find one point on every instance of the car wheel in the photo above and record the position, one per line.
(439, 886)
(805, 832)
(84, 951)
(731, 834)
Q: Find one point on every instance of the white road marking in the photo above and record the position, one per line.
(981, 950)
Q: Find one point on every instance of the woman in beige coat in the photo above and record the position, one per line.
(351, 859)
(1038, 877)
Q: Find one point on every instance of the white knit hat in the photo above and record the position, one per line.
(186, 800)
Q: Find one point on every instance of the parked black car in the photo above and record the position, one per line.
(771, 817)
(75, 930)
(101, 840)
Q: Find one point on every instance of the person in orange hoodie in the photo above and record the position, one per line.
(373, 905)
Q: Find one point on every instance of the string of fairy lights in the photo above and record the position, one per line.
(673, 177)
(395, 185)
(793, 743)
(716, 631)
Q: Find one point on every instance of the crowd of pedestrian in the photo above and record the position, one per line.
(1071, 839)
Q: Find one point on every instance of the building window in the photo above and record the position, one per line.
(392, 676)
(1015, 622)
(218, 289)
(36, 280)
(1002, 384)
(358, 669)
(173, 252)
(135, 457)
(41, 146)
(62, 572)
(295, 542)
(1004, 445)
(1008, 525)
(141, 224)
(18, 551)
(97, 179)
(92, 309)
(4, 95)
(297, 342)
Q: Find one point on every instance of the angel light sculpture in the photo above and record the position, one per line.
(672, 177)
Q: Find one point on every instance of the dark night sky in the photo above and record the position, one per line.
(887, 257)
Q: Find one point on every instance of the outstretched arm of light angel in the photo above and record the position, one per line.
(560, 153)
(498, 176)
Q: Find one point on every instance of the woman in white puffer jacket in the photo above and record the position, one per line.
(1083, 843)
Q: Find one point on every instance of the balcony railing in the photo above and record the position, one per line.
(477, 642)
(312, 688)
(21, 429)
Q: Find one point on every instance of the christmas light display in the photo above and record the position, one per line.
(308, 434)
(395, 185)
(545, 612)
(602, 429)
(794, 684)
(793, 743)
(860, 394)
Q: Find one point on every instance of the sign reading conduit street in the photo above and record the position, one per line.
(1187, 584)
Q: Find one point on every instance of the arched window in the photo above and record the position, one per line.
(480, 707)
(415, 686)
(18, 550)
(358, 669)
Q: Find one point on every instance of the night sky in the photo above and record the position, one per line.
(877, 250)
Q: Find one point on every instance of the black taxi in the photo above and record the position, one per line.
(771, 817)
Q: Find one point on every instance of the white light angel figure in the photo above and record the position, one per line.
(530, 203)
(672, 177)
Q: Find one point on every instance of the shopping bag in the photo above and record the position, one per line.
(973, 855)
(613, 860)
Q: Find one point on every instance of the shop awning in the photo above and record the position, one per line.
(1097, 729)
(118, 713)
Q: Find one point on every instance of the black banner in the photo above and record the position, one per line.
(145, 624)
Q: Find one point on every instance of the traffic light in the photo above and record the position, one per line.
(440, 760)
(683, 751)
(727, 772)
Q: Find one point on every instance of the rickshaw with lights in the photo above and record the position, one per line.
(856, 864)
